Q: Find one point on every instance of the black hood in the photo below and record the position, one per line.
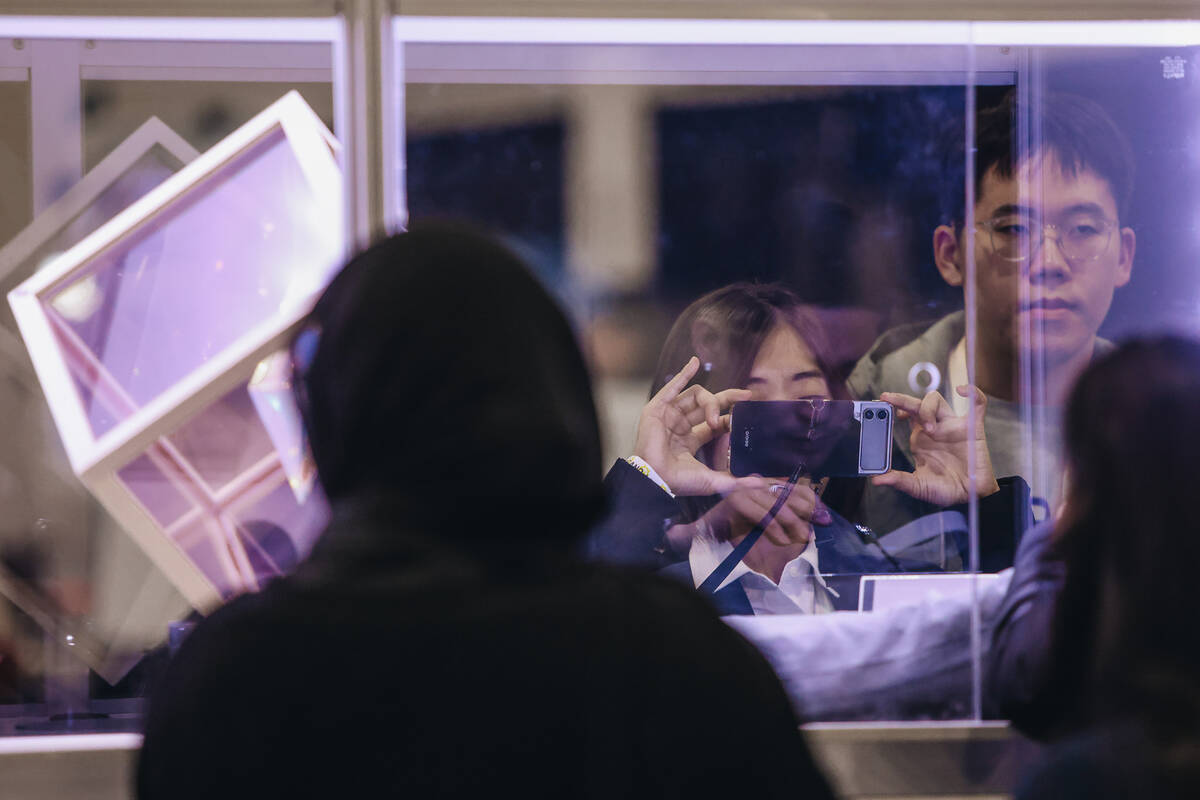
(447, 383)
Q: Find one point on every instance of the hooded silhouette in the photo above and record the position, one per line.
(442, 638)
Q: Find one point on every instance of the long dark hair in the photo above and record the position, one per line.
(1125, 628)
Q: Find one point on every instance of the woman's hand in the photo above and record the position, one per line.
(940, 442)
(678, 422)
(743, 508)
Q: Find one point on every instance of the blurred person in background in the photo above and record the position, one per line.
(443, 638)
(1118, 683)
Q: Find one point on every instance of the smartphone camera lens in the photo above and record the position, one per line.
(883, 413)
(870, 414)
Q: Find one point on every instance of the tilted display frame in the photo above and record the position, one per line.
(96, 459)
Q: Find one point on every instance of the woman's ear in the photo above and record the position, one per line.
(947, 255)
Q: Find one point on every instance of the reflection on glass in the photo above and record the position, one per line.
(219, 490)
(788, 245)
(57, 545)
(147, 478)
(271, 391)
(223, 441)
(265, 519)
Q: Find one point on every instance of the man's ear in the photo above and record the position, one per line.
(1125, 265)
(946, 255)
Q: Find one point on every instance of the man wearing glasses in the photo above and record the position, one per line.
(1049, 250)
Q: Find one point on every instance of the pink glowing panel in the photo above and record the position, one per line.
(263, 534)
(150, 479)
(223, 441)
(214, 547)
(165, 299)
(218, 490)
(270, 517)
(203, 464)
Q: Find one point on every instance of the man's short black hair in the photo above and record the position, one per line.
(1080, 134)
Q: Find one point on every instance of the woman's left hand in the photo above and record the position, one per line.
(940, 443)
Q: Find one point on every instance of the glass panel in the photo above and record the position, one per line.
(15, 160)
(156, 305)
(214, 547)
(279, 530)
(650, 176)
(771, 210)
(67, 568)
(224, 441)
(1086, 246)
(270, 390)
(203, 112)
(151, 168)
(146, 477)
(262, 533)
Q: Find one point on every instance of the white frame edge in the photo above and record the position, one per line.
(315, 149)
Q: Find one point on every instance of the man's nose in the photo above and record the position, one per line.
(1047, 262)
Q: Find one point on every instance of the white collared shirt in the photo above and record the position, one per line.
(801, 589)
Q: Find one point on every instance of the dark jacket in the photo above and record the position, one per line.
(420, 670)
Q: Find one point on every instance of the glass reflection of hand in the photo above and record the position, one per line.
(743, 508)
(676, 423)
(940, 442)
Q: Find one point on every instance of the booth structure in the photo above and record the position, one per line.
(184, 178)
(145, 336)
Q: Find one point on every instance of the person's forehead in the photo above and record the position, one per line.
(784, 343)
(1041, 183)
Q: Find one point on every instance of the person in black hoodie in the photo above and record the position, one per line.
(443, 638)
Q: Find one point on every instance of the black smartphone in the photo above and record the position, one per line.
(829, 438)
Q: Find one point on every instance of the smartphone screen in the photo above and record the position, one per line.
(829, 438)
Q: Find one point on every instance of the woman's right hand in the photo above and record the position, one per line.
(676, 423)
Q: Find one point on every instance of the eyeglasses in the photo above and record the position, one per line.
(1018, 238)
